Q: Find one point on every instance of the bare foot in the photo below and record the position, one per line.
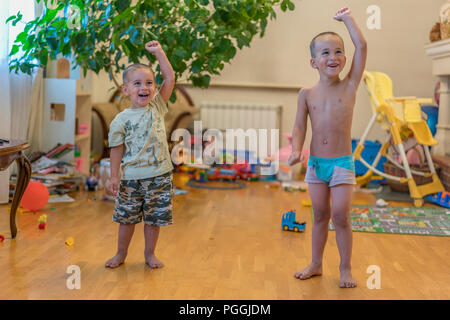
(347, 280)
(310, 271)
(153, 262)
(115, 261)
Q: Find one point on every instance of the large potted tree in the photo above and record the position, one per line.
(199, 37)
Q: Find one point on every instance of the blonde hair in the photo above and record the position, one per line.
(132, 67)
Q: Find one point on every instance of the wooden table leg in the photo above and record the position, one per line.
(23, 177)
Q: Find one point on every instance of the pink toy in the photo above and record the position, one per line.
(79, 163)
(415, 155)
(83, 128)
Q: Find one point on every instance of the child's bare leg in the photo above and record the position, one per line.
(341, 196)
(151, 234)
(320, 198)
(125, 234)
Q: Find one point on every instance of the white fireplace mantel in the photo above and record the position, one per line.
(440, 54)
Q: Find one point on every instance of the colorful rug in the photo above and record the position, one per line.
(400, 220)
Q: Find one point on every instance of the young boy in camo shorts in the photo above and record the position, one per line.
(137, 139)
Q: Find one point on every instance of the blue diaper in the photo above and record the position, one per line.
(324, 167)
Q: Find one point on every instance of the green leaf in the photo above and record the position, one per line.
(18, 18)
(116, 19)
(118, 55)
(263, 25)
(122, 5)
(22, 37)
(53, 43)
(50, 15)
(211, 33)
(201, 81)
(248, 35)
(180, 52)
(128, 13)
(173, 97)
(30, 43)
(10, 18)
(229, 53)
(189, 3)
(92, 64)
(43, 56)
(196, 66)
(126, 50)
(242, 41)
(14, 50)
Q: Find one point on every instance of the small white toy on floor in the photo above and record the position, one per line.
(381, 203)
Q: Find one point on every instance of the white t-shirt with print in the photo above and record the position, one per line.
(143, 133)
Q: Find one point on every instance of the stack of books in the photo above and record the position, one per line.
(60, 177)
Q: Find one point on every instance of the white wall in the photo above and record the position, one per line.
(282, 56)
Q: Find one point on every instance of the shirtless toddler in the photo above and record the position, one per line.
(331, 172)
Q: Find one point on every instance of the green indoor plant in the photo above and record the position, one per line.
(197, 36)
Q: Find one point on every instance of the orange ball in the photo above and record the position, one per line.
(35, 196)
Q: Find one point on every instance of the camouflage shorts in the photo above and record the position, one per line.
(150, 199)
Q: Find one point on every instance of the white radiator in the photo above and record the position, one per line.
(256, 127)
(232, 115)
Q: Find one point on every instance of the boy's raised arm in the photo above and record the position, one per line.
(360, 56)
(166, 69)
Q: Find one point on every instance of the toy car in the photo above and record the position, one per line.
(288, 222)
(245, 172)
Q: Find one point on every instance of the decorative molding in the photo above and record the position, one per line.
(253, 85)
(438, 49)
(443, 126)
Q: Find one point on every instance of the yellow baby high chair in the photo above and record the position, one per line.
(401, 117)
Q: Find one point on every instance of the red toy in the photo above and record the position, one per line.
(2, 238)
(244, 172)
(42, 221)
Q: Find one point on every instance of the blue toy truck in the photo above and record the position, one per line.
(288, 222)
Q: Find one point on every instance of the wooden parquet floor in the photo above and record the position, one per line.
(222, 245)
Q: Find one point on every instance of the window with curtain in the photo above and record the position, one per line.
(15, 89)
(4, 30)
(27, 9)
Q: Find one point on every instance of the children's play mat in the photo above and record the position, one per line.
(400, 220)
